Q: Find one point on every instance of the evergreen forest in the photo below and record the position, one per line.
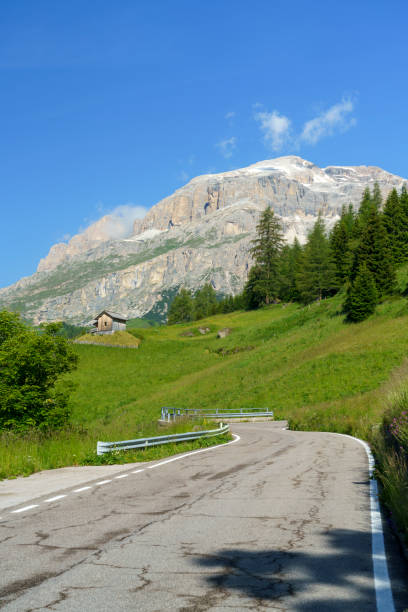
(358, 257)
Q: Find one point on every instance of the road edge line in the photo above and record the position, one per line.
(382, 582)
(202, 450)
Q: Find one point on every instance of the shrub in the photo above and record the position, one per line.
(30, 365)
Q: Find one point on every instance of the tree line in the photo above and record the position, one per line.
(360, 255)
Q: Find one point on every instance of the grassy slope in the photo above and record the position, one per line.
(305, 363)
(119, 338)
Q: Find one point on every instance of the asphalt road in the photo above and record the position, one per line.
(279, 520)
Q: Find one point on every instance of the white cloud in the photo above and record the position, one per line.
(114, 224)
(276, 128)
(336, 118)
(227, 146)
(120, 220)
(230, 115)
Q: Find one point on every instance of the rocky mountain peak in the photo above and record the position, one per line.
(200, 233)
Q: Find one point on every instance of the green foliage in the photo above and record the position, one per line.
(396, 226)
(362, 296)
(266, 251)
(253, 295)
(374, 252)
(69, 331)
(367, 206)
(289, 268)
(316, 278)
(376, 198)
(10, 326)
(205, 302)
(182, 308)
(391, 449)
(341, 238)
(304, 363)
(30, 366)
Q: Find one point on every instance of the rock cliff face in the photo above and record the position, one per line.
(199, 234)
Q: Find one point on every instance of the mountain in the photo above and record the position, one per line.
(201, 233)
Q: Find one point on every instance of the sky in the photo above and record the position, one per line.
(109, 105)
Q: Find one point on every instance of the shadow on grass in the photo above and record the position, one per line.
(335, 579)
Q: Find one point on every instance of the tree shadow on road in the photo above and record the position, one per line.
(338, 578)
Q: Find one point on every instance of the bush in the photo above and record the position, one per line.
(391, 449)
(31, 364)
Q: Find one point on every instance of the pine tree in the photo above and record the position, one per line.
(317, 275)
(289, 266)
(182, 308)
(253, 295)
(396, 225)
(367, 205)
(265, 252)
(362, 296)
(341, 243)
(373, 250)
(205, 302)
(376, 198)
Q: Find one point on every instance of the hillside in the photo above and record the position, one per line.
(201, 233)
(117, 339)
(304, 362)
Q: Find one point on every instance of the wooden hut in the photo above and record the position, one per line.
(107, 322)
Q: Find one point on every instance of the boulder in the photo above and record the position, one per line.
(223, 333)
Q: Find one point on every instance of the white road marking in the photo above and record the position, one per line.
(25, 508)
(202, 450)
(54, 498)
(382, 584)
(102, 482)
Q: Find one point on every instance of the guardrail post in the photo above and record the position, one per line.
(99, 448)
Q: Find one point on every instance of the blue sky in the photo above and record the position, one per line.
(105, 104)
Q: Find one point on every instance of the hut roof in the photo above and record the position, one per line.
(113, 315)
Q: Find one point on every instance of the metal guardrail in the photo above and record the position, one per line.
(170, 414)
(108, 447)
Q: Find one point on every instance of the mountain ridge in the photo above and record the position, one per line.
(200, 233)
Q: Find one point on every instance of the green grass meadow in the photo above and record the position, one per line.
(303, 362)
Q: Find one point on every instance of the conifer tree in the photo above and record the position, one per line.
(373, 250)
(253, 295)
(396, 225)
(317, 275)
(376, 198)
(404, 200)
(205, 302)
(289, 267)
(367, 205)
(182, 308)
(362, 296)
(265, 252)
(341, 243)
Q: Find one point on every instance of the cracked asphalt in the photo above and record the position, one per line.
(278, 521)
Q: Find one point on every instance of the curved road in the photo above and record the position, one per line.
(279, 520)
